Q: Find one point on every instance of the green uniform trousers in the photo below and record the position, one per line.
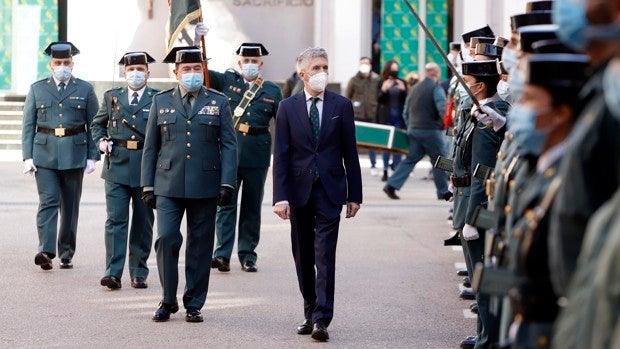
(252, 184)
(118, 197)
(59, 190)
(198, 247)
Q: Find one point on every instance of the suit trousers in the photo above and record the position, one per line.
(198, 248)
(118, 197)
(59, 190)
(314, 235)
(251, 183)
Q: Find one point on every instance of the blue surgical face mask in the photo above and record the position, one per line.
(522, 124)
(249, 70)
(611, 87)
(516, 82)
(62, 73)
(570, 16)
(503, 90)
(135, 79)
(192, 81)
(510, 58)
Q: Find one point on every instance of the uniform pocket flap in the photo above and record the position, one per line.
(163, 164)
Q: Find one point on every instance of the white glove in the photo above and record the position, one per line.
(488, 116)
(105, 146)
(199, 31)
(451, 188)
(29, 167)
(470, 232)
(90, 166)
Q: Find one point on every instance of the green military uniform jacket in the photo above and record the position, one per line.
(122, 166)
(254, 150)
(46, 107)
(189, 155)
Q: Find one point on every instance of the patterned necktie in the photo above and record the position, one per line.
(314, 120)
(188, 103)
(134, 100)
(61, 87)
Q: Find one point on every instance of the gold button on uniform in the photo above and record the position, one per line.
(189, 121)
(189, 133)
(189, 145)
(133, 137)
(188, 156)
(133, 116)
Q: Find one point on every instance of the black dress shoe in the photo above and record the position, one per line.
(466, 281)
(455, 240)
(468, 294)
(390, 191)
(138, 282)
(43, 260)
(469, 342)
(249, 266)
(193, 315)
(462, 272)
(446, 196)
(474, 307)
(111, 282)
(305, 327)
(319, 332)
(163, 312)
(65, 263)
(221, 263)
(384, 178)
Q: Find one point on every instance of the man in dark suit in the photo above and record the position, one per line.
(119, 128)
(189, 164)
(58, 148)
(316, 171)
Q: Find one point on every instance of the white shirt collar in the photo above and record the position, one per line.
(549, 157)
(140, 92)
(320, 95)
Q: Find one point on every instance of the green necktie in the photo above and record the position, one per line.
(61, 88)
(314, 120)
(188, 103)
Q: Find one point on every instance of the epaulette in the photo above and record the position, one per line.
(232, 71)
(215, 91)
(114, 89)
(165, 91)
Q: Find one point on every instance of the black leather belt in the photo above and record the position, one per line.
(129, 144)
(464, 181)
(62, 131)
(251, 130)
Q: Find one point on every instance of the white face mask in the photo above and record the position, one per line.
(365, 68)
(63, 72)
(250, 70)
(135, 79)
(510, 58)
(318, 81)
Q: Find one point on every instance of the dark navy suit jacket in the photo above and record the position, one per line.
(335, 153)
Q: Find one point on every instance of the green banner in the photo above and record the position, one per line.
(400, 33)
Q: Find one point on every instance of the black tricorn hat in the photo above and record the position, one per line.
(551, 46)
(543, 5)
(484, 31)
(489, 50)
(454, 46)
(61, 49)
(480, 39)
(556, 70)
(530, 18)
(480, 68)
(501, 42)
(131, 58)
(184, 54)
(252, 49)
(532, 33)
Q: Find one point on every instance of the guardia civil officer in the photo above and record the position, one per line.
(189, 166)
(57, 148)
(119, 128)
(254, 103)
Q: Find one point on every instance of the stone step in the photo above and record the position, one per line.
(10, 115)
(10, 125)
(11, 106)
(10, 134)
(14, 144)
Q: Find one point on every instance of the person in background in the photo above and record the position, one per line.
(58, 148)
(392, 95)
(363, 93)
(119, 128)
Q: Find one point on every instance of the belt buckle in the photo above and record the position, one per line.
(59, 131)
(238, 111)
(133, 145)
(244, 128)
